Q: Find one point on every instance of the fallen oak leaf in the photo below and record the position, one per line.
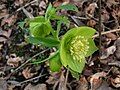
(117, 53)
(95, 80)
(36, 87)
(27, 73)
(13, 60)
(4, 35)
(11, 20)
(82, 84)
(91, 23)
(116, 82)
(107, 52)
(111, 36)
(91, 9)
(57, 3)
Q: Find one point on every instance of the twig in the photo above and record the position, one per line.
(103, 33)
(29, 15)
(20, 83)
(100, 28)
(29, 60)
(66, 78)
(19, 9)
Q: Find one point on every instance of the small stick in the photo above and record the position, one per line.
(29, 60)
(66, 78)
(103, 33)
(19, 9)
(100, 28)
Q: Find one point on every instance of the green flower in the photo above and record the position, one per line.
(77, 44)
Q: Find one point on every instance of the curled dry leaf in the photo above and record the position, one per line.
(96, 80)
(117, 53)
(37, 87)
(111, 36)
(91, 8)
(3, 13)
(105, 86)
(3, 84)
(91, 23)
(13, 60)
(11, 20)
(111, 2)
(82, 84)
(60, 2)
(116, 82)
(27, 73)
(62, 85)
(18, 2)
(107, 52)
(105, 16)
(54, 77)
(42, 6)
(4, 35)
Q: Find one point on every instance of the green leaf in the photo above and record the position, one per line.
(75, 74)
(36, 21)
(92, 47)
(39, 27)
(55, 64)
(21, 24)
(85, 31)
(50, 12)
(68, 7)
(48, 41)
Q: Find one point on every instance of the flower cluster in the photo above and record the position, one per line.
(79, 47)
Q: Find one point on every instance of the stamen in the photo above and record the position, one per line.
(78, 48)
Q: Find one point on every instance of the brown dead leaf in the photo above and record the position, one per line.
(116, 82)
(91, 8)
(37, 87)
(105, 16)
(96, 80)
(62, 85)
(11, 20)
(3, 13)
(111, 2)
(3, 84)
(27, 73)
(82, 84)
(91, 23)
(111, 36)
(107, 52)
(105, 86)
(6, 33)
(54, 77)
(42, 5)
(60, 2)
(117, 53)
(13, 60)
(18, 2)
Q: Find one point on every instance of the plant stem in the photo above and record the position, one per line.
(29, 60)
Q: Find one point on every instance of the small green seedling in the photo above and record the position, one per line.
(73, 48)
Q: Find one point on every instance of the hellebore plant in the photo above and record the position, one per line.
(77, 44)
(72, 49)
